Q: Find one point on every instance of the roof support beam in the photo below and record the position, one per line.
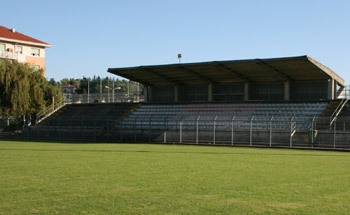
(175, 82)
(200, 76)
(239, 75)
(276, 71)
(328, 71)
(130, 77)
(340, 89)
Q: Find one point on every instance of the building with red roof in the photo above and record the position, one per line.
(23, 48)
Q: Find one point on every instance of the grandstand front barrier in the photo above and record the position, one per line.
(309, 132)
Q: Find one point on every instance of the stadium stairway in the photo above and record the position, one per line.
(324, 121)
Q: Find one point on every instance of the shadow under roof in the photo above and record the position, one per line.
(255, 70)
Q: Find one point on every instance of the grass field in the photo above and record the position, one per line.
(52, 178)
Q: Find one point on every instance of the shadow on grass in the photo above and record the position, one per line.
(182, 152)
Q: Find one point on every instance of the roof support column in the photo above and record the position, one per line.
(149, 94)
(145, 94)
(176, 93)
(331, 89)
(246, 91)
(210, 92)
(287, 90)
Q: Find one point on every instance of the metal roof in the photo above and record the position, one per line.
(254, 70)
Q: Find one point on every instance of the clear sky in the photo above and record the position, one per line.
(89, 36)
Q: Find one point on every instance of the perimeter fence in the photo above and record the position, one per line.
(252, 131)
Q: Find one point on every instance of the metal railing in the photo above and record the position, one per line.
(102, 98)
(268, 132)
(345, 93)
(50, 110)
(8, 55)
(338, 110)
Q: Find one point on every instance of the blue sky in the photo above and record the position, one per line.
(88, 37)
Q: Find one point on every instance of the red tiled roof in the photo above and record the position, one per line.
(8, 33)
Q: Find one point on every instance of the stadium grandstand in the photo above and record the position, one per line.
(288, 102)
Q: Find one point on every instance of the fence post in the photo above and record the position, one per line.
(107, 130)
(164, 131)
(251, 131)
(134, 128)
(292, 131)
(214, 129)
(334, 129)
(149, 131)
(95, 136)
(180, 131)
(70, 130)
(82, 128)
(312, 132)
(233, 118)
(59, 128)
(121, 129)
(197, 129)
(270, 126)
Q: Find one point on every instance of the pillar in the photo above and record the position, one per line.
(287, 90)
(149, 94)
(331, 89)
(176, 93)
(210, 92)
(246, 91)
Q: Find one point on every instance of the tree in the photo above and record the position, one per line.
(24, 90)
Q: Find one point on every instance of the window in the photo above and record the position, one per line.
(35, 52)
(19, 49)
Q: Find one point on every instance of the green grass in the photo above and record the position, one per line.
(52, 178)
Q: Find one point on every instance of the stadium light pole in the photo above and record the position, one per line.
(179, 56)
(88, 88)
(108, 88)
(100, 89)
(112, 89)
(128, 89)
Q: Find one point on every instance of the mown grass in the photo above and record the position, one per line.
(52, 178)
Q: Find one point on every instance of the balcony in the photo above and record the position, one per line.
(12, 55)
(8, 55)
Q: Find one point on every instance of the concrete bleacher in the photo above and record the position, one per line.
(231, 109)
(153, 113)
(147, 122)
(150, 122)
(80, 121)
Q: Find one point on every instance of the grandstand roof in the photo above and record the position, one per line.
(255, 70)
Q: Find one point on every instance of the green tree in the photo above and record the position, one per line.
(24, 90)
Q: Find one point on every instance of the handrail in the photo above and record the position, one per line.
(337, 111)
(49, 111)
